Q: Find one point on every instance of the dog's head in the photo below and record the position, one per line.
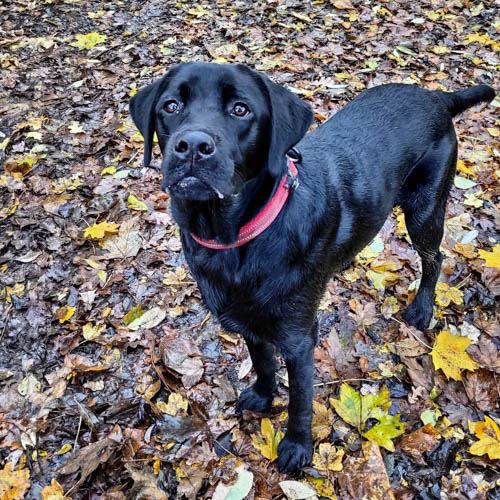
(218, 126)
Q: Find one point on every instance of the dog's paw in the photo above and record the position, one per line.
(418, 316)
(250, 399)
(293, 455)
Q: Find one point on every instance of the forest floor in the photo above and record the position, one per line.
(116, 383)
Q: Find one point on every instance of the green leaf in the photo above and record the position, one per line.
(385, 431)
(463, 183)
(243, 485)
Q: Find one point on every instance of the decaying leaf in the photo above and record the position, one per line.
(445, 295)
(294, 490)
(366, 477)
(449, 354)
(420, 441)
(322, 421)
(328, 457)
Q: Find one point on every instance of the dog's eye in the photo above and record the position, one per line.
(240, 109)
(171, 106)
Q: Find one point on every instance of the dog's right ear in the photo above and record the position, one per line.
(142, 109)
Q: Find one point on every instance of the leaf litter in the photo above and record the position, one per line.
(115, 382)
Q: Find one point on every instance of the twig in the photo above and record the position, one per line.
(6, 321)
(413, 335)
(344, 380)
(77, 433)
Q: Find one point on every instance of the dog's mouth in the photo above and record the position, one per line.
(192, 188)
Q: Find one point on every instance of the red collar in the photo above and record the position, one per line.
(265, 217)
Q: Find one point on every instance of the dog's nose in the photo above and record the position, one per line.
(192, 144)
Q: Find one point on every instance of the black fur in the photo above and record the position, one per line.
(393, 145)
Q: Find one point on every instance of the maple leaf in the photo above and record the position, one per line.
(388, 428)
(492, 259)
(328, 457)
(449, 354)
(268, 446)
(13, 483)
(356, 409)
(91, 332)
(322, 421)
(98, 231)
(488, 433)
(176, 404)
(88, 41)
(53, 491)
(445, 295)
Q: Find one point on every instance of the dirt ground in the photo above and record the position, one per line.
(116, 383)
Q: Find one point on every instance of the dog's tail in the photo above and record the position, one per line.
(458, 102)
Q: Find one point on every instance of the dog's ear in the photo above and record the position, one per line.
(142, 109)
(290, 119)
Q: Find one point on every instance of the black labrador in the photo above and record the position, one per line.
(224, 132)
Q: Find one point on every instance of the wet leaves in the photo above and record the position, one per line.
(86, 237)
(488, 434)
(268, 440)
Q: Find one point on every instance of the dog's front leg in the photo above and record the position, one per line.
(259, 397)
(295, 449)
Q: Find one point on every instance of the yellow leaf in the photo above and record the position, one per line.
(385, 431)
(147, 387)
(136, 204)
(13, 483)
(464, 169)
(108, 170)
(494, 132)
(488, 433)
(467, 250)
(64, 313)
(64, 449)
(323, 487)
(356, 409)
(17, 289)
(53, 492)
(492, 259)
(268, 446)
(88, 41)
(473, 200)
(176, 311)
(322, 421)
(382, 278)
(176, 404)
(440, 50)
(103, 276)
(445, 295)
(98, 231)
(328, 457)
(91, 332)
(4, 143)
(449, 354)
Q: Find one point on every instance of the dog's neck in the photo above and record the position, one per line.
(221, 220)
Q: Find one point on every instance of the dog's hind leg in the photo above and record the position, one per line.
(423, 200)
(259, 396)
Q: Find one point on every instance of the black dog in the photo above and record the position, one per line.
(224, 131)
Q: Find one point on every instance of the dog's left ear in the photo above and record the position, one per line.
(290, 119)
(142, 109)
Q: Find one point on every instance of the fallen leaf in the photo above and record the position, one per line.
(53, 491)
(343, 4)
(322, 421)
(149, 319)
(13, 483)
(382, 433)
(176, 404)
(488, 434)
(64, 313)
(449, 354)
(134, 314)
(268, 443)
(88, 41)
(294, 490)
(418, 442)
(127, 243)
(445, 295)
(366, 477)
(492, 259)
(240, 489)
(98, 231)
(328, 457)
(134, 203)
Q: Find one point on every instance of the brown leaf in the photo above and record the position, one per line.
(420, 441)
(87, 459)
(145, 484)
(486, 353)
(481, 389)
(366, 477)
